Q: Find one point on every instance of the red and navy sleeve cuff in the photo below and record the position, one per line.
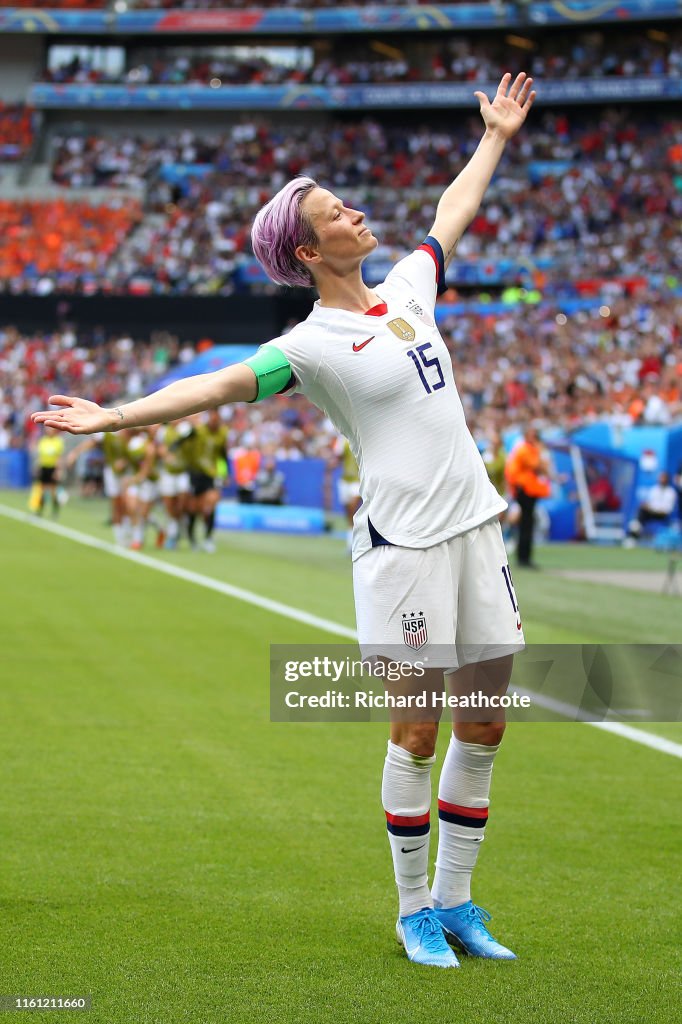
(435, 251)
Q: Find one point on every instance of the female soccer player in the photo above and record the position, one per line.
(430, 570)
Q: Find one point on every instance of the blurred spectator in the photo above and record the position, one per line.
(495, 458)
(16, 130)
(5, 436)
(677, 484)
(603, 496)
(657, 507)
(268, 486)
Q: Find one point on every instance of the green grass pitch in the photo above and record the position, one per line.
(174, 854)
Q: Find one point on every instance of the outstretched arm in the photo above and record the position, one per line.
(460, 201)
(193, 394)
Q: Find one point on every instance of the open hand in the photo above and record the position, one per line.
(512, 102)
(76, 416)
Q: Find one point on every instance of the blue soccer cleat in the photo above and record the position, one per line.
(465, 926)
(423, 939)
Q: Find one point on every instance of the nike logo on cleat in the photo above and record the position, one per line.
(358, 348)
(412, 848)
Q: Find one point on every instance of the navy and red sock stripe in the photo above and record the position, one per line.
(456, 814)
(408, 825)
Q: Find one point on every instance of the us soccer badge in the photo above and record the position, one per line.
(414, 630)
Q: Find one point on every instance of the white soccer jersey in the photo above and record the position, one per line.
(384, 378)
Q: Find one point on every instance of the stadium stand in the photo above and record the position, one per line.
(16, 130)
(622, 365)
(212, 4)
(563, 302)
(342, 61)
(569, 198)
(191, 5)
(67, 243)
(55, 4)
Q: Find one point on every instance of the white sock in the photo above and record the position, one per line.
(173, 529)
(463, 798)
(406, 796)
(138, 533)
(119, 534)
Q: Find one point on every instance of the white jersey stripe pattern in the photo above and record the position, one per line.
(386, 383)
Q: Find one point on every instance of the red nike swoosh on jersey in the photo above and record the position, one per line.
(358, 348)
(518, 625)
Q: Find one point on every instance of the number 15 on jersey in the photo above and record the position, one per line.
(422, 362)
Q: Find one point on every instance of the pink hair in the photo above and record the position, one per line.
(279, 228)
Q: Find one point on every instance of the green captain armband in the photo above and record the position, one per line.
(273, 371)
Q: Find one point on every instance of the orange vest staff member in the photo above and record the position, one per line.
(526, 472)
(245, 466)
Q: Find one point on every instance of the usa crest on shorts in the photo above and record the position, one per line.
(414, 630)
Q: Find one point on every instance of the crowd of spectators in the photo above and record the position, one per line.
(622, 363)
(16, 130)
(55, 4)
(577, 197)
(200, 5)
(477, 59)
(193, 5)
(45, 244)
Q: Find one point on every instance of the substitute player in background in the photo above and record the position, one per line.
(174, 482)
(428, 556)
(207, 458)
(143, 487)
(116, 465)
(349, 483)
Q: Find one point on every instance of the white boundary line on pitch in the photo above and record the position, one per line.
(179, 573)
(646, 739)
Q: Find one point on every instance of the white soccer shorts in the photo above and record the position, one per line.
(172, 484)
(147, 491)
(348, 490)
(449, 605)
(112, 483)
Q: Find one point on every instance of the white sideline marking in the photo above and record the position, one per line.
(182, 574)
(647, 739)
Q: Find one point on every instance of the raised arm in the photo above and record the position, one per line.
(460, 201)
(193, 394)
